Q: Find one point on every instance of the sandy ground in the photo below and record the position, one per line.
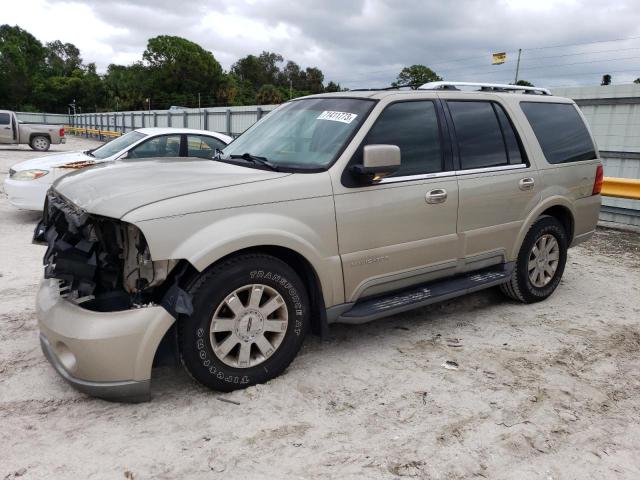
(546, 391)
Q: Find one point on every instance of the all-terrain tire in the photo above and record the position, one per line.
(521, 287)
(211, 293)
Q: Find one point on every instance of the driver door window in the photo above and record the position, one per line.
(163, 146)
(412, 126)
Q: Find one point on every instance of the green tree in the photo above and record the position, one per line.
(128, 85)
(21, 65)
(524, 83)
(416, 75)
(268, 95)
(314, 79)
(294, 76)
(62, 58)
(177, 66)
(606, 79)
(333, 87)
(259, 70)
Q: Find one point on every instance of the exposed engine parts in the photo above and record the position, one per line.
(103, 263)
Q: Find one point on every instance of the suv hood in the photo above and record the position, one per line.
(51, 161)
(113, 189)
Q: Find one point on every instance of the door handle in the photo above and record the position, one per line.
(7, 128)
(526, 183)
(439, 195)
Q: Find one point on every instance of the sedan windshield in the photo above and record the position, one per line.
(117, 145)
(304, 134)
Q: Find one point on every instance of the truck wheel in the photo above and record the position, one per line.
(250, 317)
(540, 263)
(40, 143)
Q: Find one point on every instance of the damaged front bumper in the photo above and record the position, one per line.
(104, 305)
(104, 354)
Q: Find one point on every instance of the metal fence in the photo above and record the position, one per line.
(229, 120)
(50, 118)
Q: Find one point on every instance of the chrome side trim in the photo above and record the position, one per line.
(501, 168)
(427, 176)
(423, 176)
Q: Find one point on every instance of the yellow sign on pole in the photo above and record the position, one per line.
(498, 58)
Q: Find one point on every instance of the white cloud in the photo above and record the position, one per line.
(71, 22)
(355, 42)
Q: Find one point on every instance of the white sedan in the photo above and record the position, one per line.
(28, 181)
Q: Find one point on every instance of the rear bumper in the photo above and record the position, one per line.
(27, 195)
(104, 354)
(587, 211)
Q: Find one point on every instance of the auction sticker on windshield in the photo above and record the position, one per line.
(343, 117)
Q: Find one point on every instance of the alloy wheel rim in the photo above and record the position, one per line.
(248, 326)
(40, 143)
(543, 260)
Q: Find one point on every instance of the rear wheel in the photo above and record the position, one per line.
(540, 263)
(40, 143)
(251, 314)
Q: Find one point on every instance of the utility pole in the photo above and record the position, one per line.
(73, 105)
(518, 66)
(199, 111)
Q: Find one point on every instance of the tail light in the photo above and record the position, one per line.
(597, 184)
(62, 132)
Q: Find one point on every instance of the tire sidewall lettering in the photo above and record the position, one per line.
(212, 366)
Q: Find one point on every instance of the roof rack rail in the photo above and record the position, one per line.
(496, 87)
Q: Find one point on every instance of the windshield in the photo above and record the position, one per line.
(117, 145)
(306, 134)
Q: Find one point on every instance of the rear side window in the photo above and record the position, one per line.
(560, 131)
(412, 126)
(485, 135)
(4, 119)
(203, 146)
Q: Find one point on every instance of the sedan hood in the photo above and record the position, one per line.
(52, 161)
(113, 189)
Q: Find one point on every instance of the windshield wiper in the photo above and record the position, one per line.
(256, 159)
(89, 152)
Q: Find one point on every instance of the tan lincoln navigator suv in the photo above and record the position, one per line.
(341, 207)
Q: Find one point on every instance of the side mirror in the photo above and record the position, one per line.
(378, 162)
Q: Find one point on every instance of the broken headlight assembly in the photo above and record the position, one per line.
(103, 263)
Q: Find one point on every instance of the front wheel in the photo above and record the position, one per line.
(251, 314)
(40, 143)
(540, 263)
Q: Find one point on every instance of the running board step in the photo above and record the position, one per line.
(418, 296)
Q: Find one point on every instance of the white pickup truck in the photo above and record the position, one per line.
(37, 136)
